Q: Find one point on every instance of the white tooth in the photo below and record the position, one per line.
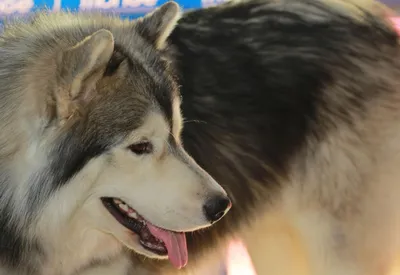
(133, 215)
(117, 201)
(124, 207)
(150, 245)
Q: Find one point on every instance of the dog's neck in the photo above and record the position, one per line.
(79, 251)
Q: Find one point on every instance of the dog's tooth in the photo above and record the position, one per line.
(117, 201)
(133, 215)
(124, 207)
(151, 245)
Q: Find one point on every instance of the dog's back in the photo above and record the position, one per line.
(293, 106)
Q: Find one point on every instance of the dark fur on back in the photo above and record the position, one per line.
(261, 79)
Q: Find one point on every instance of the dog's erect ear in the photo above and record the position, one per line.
(79, 68)
(158, 25)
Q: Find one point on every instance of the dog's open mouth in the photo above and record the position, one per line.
(154, 239)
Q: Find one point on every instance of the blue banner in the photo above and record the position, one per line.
(126, 8)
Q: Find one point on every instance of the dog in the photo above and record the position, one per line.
(91, 161)
(293, 107)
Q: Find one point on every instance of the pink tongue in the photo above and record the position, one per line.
(175, 243)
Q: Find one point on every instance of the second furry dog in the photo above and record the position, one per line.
(294, 107)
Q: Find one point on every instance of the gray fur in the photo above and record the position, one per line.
(293, 107)
(75, 87)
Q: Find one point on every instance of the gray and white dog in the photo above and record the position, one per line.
(91, 161)
(293, 106)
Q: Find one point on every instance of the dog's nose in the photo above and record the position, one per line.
(216, 207)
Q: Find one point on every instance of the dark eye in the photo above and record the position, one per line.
(141, 148)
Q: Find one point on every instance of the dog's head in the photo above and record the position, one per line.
(112, 137)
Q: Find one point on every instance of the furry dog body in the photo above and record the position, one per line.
(90, 127)
(293, 107)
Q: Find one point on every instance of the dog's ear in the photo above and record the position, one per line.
(78, 70)
(158, 25)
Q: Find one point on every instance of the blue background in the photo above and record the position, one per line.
(139, 7)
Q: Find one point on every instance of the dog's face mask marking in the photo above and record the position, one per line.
(115, 143)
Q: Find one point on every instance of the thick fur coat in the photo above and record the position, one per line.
(91, 161)
(293, 106)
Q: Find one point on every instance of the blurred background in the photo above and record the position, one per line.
(126, 8)
(236, 260)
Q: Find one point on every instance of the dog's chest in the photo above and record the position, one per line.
(93, 251)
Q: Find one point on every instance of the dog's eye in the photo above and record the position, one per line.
(141, 148)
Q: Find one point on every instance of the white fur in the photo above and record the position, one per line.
(77, 228)
(317, 228)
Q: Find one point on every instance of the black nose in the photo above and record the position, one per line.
(216, 207)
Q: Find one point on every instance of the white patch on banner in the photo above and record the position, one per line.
(15, 6)
(138, 3)
(98, 4)
(209, 3)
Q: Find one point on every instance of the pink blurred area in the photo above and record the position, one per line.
(396, 21)
(238, 260)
